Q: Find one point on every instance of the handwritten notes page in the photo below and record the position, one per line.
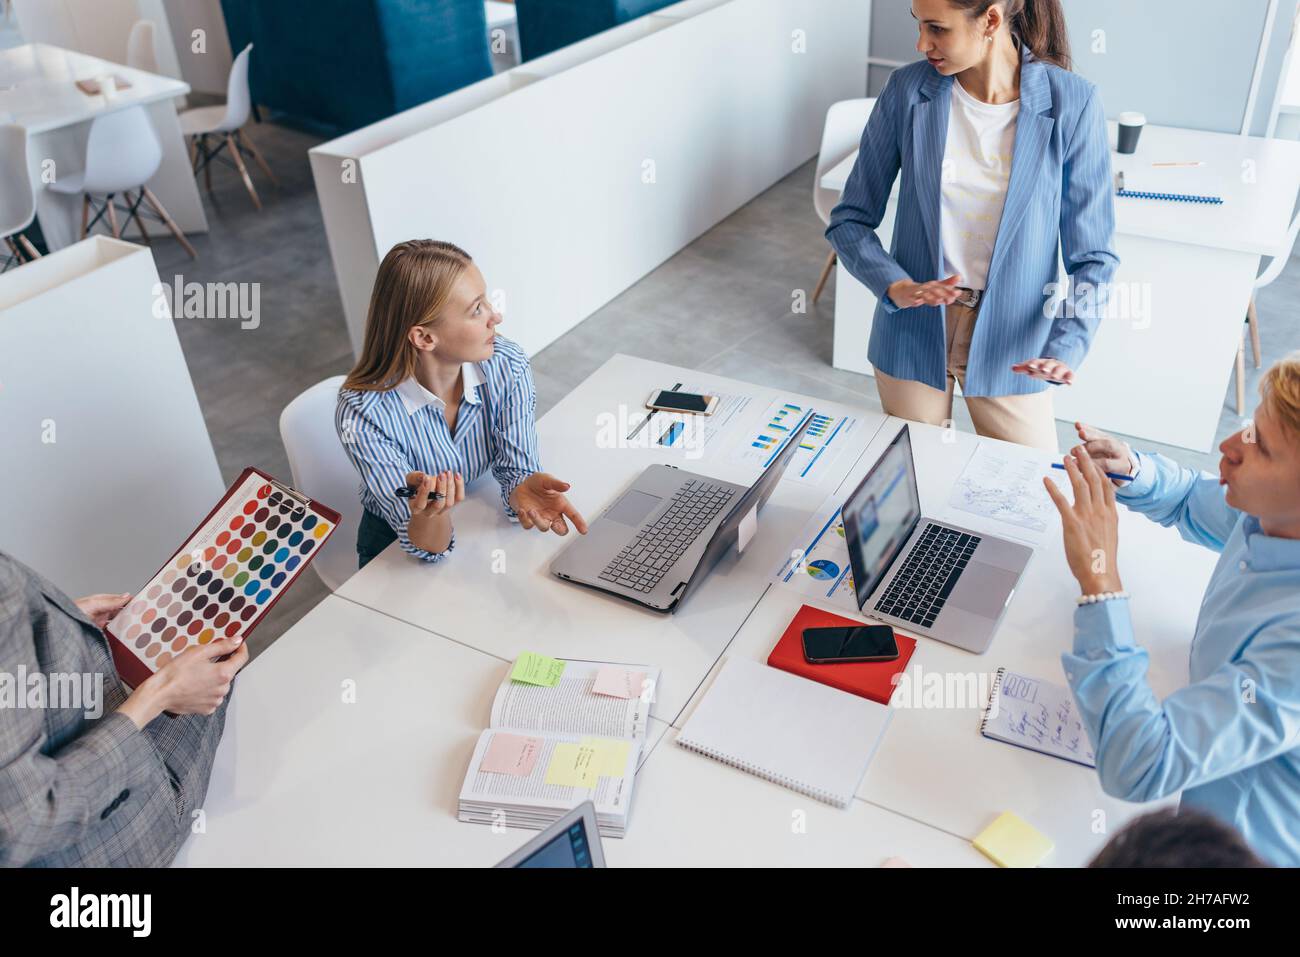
(1037, 715)
(1006, 485)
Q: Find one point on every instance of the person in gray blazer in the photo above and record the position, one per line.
(90, 773)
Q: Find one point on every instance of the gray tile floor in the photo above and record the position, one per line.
(721, 305)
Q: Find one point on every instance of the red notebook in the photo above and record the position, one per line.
(867, 679)
(229, 573)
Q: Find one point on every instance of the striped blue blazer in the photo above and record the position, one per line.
(1059, 195)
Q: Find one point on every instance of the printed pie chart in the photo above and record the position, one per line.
(823, 570)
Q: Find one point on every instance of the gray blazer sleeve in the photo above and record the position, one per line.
(50, 801)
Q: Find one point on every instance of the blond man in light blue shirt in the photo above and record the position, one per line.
(1230, 739)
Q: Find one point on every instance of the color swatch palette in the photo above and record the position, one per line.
(225, 577)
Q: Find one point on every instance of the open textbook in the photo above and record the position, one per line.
(552, 746)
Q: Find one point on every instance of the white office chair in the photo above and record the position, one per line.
(845, 122)
(17, 201)
(142, 53)
(322, 470)
(225, 125)
(1275, 267)
(122, 154)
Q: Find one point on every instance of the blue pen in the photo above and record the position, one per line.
(1110, 475)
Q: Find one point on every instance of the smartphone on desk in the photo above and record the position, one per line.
(667, 400)
(829, 646)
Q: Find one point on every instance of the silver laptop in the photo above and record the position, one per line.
(665, 533)
(929, 577)
(571, 842)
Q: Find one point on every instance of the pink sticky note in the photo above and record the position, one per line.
(618, 682)
(511, 754)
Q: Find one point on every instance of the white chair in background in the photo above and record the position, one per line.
(322, 470)
(17, 201)
(1280, 260)
(845, 122)
(142, 53)
(122, 154)
(225, 125)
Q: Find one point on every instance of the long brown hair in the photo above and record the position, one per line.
(1040, 25)
(411, 289)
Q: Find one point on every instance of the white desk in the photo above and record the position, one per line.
(933, 764)
(496, 593)
(376, 782)
(38, 86)
(302, 778)
(1197, 264)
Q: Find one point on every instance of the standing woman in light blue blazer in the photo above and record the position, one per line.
(1005, 158)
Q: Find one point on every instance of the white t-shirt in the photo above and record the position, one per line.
(976, 170)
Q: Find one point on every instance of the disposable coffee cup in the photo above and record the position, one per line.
(1130, 131)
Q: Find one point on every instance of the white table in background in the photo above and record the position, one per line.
(303, 779)
(38, 88)
(1197, 263)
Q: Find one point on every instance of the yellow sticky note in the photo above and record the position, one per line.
(611, 755)
(534, 669)
(573, 766)
(1012, 842)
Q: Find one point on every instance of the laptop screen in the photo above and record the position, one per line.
(569, 848)
(880, 514)
(755, 497)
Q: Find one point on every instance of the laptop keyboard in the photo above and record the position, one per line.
(648, 556)
(922, 586)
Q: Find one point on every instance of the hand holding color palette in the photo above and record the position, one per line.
(247, 552)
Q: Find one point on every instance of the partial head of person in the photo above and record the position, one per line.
(429, 302)
(1261, 463)
(958, 35)
(1177, 838)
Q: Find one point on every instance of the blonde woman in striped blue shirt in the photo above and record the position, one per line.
(437, 399)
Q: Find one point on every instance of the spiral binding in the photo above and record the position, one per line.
(1173, 197)
(997, 685)
(798, 786)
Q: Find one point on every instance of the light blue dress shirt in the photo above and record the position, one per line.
(1060, 196)
(1230, 739)
(388, 434)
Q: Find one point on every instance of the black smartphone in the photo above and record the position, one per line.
(828, 646)
(669, 401)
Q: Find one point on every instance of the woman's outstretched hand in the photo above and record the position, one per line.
(939, 292)
(1051, 370)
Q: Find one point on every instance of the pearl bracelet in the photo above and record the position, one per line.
(1104, 596)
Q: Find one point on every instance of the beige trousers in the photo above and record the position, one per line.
(1024, 419)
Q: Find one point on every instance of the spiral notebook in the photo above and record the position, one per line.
(1037, 715)
(794, 732)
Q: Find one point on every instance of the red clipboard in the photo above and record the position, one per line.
(217, 583)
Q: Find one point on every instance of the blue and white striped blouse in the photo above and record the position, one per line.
(387, 434)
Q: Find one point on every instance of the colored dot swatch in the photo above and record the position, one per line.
(228, 573)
